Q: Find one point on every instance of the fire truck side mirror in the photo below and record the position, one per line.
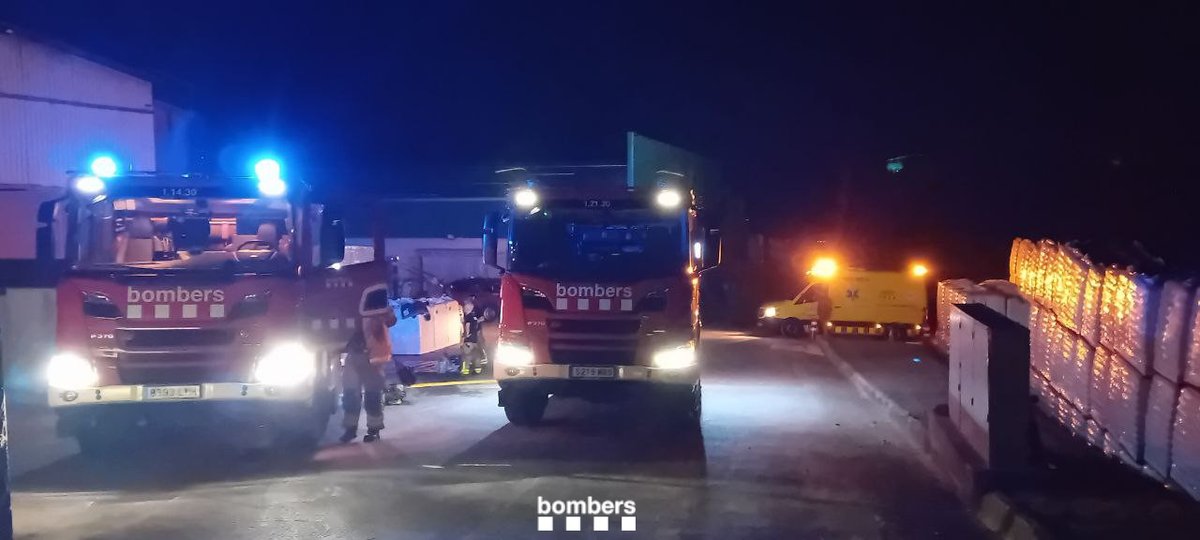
(45, 231)
(374, 301)
(491, 241)
(711, 256)
(333, 242)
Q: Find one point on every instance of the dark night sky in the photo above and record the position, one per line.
(1028, 120)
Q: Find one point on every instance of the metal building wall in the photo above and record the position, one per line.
(56, 111)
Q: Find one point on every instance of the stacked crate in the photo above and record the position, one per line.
(1115, 357)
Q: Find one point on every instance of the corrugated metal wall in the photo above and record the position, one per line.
(57, 110)
(33, 69)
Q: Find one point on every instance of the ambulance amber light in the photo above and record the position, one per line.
(824, 268)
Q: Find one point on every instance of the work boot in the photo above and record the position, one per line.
(393, 395)
(349, 435)
(372, 435)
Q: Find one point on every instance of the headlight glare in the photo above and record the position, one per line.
(285, 364)
(68, 370)
(510, 354)
(668, 198)
(676, 357)
(769, 312)
(525, 198)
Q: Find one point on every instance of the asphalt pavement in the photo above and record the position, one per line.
(788, 448)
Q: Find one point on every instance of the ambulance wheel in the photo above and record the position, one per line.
(792, 328)
(527, 408)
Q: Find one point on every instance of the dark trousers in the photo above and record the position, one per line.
(362, 388)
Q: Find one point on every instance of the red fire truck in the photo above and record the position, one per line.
(599, 294)
(200, 302)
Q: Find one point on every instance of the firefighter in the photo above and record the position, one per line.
(473, 355)
(362, 375)
(824, 307)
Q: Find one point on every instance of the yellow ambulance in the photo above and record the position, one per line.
(852, 301)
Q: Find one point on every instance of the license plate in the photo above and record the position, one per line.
(173, 392)
(593, 372)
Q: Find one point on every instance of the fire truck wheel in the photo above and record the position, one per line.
(684, 407)
(527, 408)
(490, 314)
(792, 328)
(97, 443)
(300, 438)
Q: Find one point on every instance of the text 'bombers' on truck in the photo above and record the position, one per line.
(599, 296)
(199, 301)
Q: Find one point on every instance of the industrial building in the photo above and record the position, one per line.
(60, 107)
(430, 241)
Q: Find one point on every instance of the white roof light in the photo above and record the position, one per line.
(668, 198)
(89, 185)
(525, 198)
(272, 187)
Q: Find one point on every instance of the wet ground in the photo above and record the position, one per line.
(788, 449)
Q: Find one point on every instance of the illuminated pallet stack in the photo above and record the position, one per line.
(1115, 357)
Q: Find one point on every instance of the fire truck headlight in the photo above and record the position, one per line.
(668, 198)
(525, 198)
(510, 354)
(68, 371)
(89, 184)
(769, 312)
(676, 357)
(286, 364)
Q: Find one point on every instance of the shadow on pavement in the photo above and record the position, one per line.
(152, 464)
(580, 438)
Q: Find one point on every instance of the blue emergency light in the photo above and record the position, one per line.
(270, 177)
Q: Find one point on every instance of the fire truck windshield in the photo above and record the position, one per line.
(619, 245)
(147, 233)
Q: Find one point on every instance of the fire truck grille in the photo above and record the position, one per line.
(178, 375)
(580, 342)
(594, 326)
(178, 368)
(615, 357)
(157, 338)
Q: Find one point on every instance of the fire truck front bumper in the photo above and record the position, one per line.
(595, 383)
(222, 406)
(145, 394)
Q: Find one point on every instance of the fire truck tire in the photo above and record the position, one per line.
(94, 443)
(490, 314)
(303, 436)
(679, 409)
(792, 328)
(527, 408)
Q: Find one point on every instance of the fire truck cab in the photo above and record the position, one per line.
(199, 301)
(599, 295)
